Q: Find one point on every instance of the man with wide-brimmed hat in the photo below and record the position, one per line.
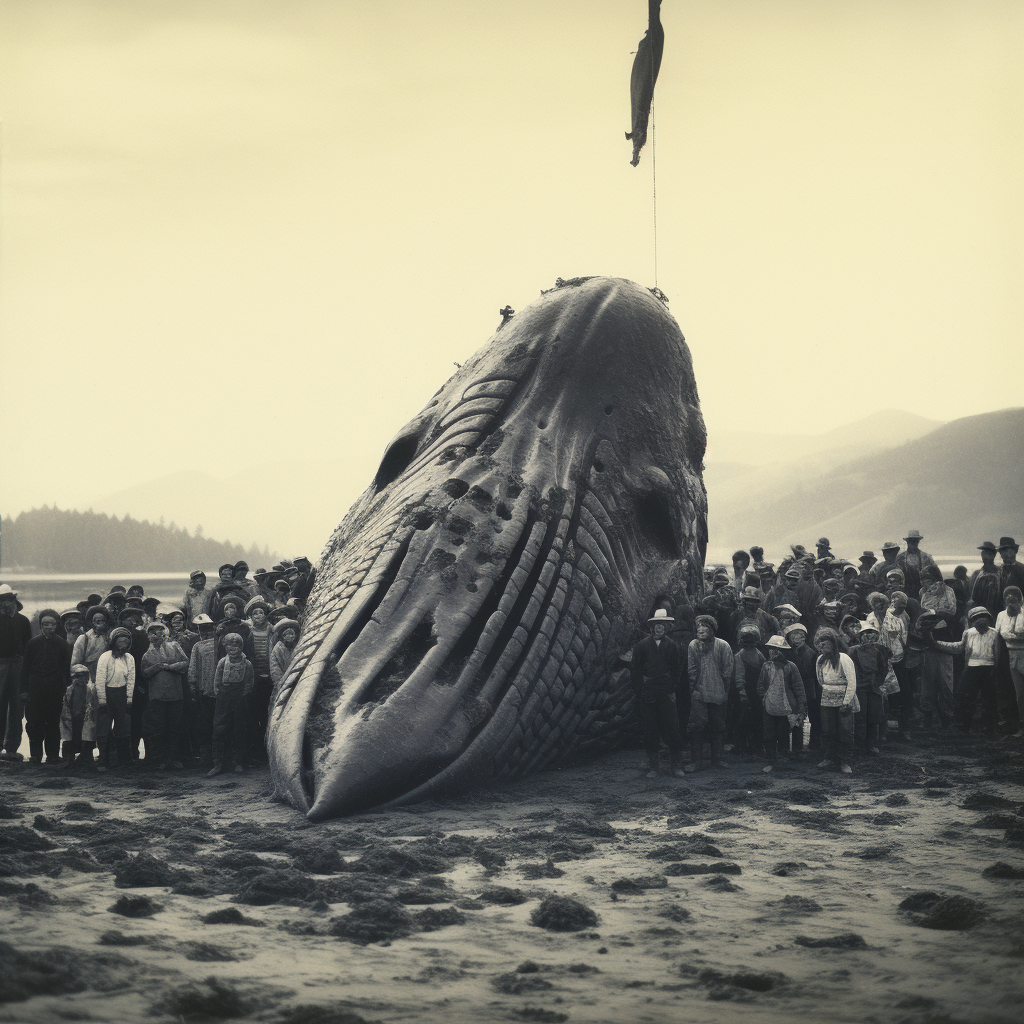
(983, 587)
(74, 624)
(15, 633)
(1011, 572)
(750, 610)
(657, 671)
(890, 549)
(866, 560)
(913, 561)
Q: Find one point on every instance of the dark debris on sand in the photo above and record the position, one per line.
(1003, 870)
(213, 999)
(231, 915)
(639, 883)
(135, 906)
(21, 839)
(515, 983)
(673, 912)
(719, 883)
(144, 870)
(724, 986)
(206, 952)
(978, 800)
(719, 868)
(376, 921)
(944, 913)
(118, 938)
(563, 914)
(798, 905)
(500, 895)
(545, 870)
(60, 971)
(313, 1014)
(848, 940)
(431, 919)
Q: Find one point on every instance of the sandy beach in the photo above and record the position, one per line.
(894, 894)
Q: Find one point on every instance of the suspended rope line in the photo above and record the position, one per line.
(654, 184)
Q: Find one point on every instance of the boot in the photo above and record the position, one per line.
(652, 765)
(676, 763)
(217, 769)
(84, 759)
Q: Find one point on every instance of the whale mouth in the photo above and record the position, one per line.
(390, 706)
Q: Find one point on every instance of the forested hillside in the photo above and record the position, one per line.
(54, 540)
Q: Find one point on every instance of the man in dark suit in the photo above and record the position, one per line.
(657, 670)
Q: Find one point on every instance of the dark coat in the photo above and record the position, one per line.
(656, 668)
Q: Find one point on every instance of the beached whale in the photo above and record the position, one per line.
(469, 610)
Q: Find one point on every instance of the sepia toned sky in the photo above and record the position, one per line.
(240, 232)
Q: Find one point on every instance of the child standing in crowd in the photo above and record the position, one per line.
(837, 682)
(202, 670)
(936, 672)
(1010, 627)
(781, 691)
(91, 644)
(871, 663)
(233, 683)
(231, 622)
(746, 703)
(115, 689)
(978, 645)
(287, 633)
(804, 657)
(78, 719)
(257, 650)
(164, 666)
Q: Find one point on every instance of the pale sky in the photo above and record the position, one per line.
(236, 232)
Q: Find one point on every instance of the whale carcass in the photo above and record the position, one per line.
(469, 610)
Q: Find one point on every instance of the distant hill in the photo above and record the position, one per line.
(52, 540)
(885, 429)
(959, 484)
(293, 505)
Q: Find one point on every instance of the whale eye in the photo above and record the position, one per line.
(396, 460)
(654, 514)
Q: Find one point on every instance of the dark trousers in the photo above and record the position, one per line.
(977, 679)
(683, 706)
(205, 711)
(11, 714)
(140, 701)
(259, 713)
(706, 719)
(658, 717)
(867, 721)
(749, 733)
(42, 719)
(114, 721)
(775, 732)
(836, 734)
(904, 700)
(230, 724)
(162, 729)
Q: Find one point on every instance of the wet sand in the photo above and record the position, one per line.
(731, 895)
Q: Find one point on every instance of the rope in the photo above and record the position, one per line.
(654, 184)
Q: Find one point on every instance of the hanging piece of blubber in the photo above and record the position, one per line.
(646, 65)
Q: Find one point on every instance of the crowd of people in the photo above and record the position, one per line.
(820, 652)
(124, 678)
(837, 655)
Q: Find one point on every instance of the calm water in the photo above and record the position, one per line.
(53, 591)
